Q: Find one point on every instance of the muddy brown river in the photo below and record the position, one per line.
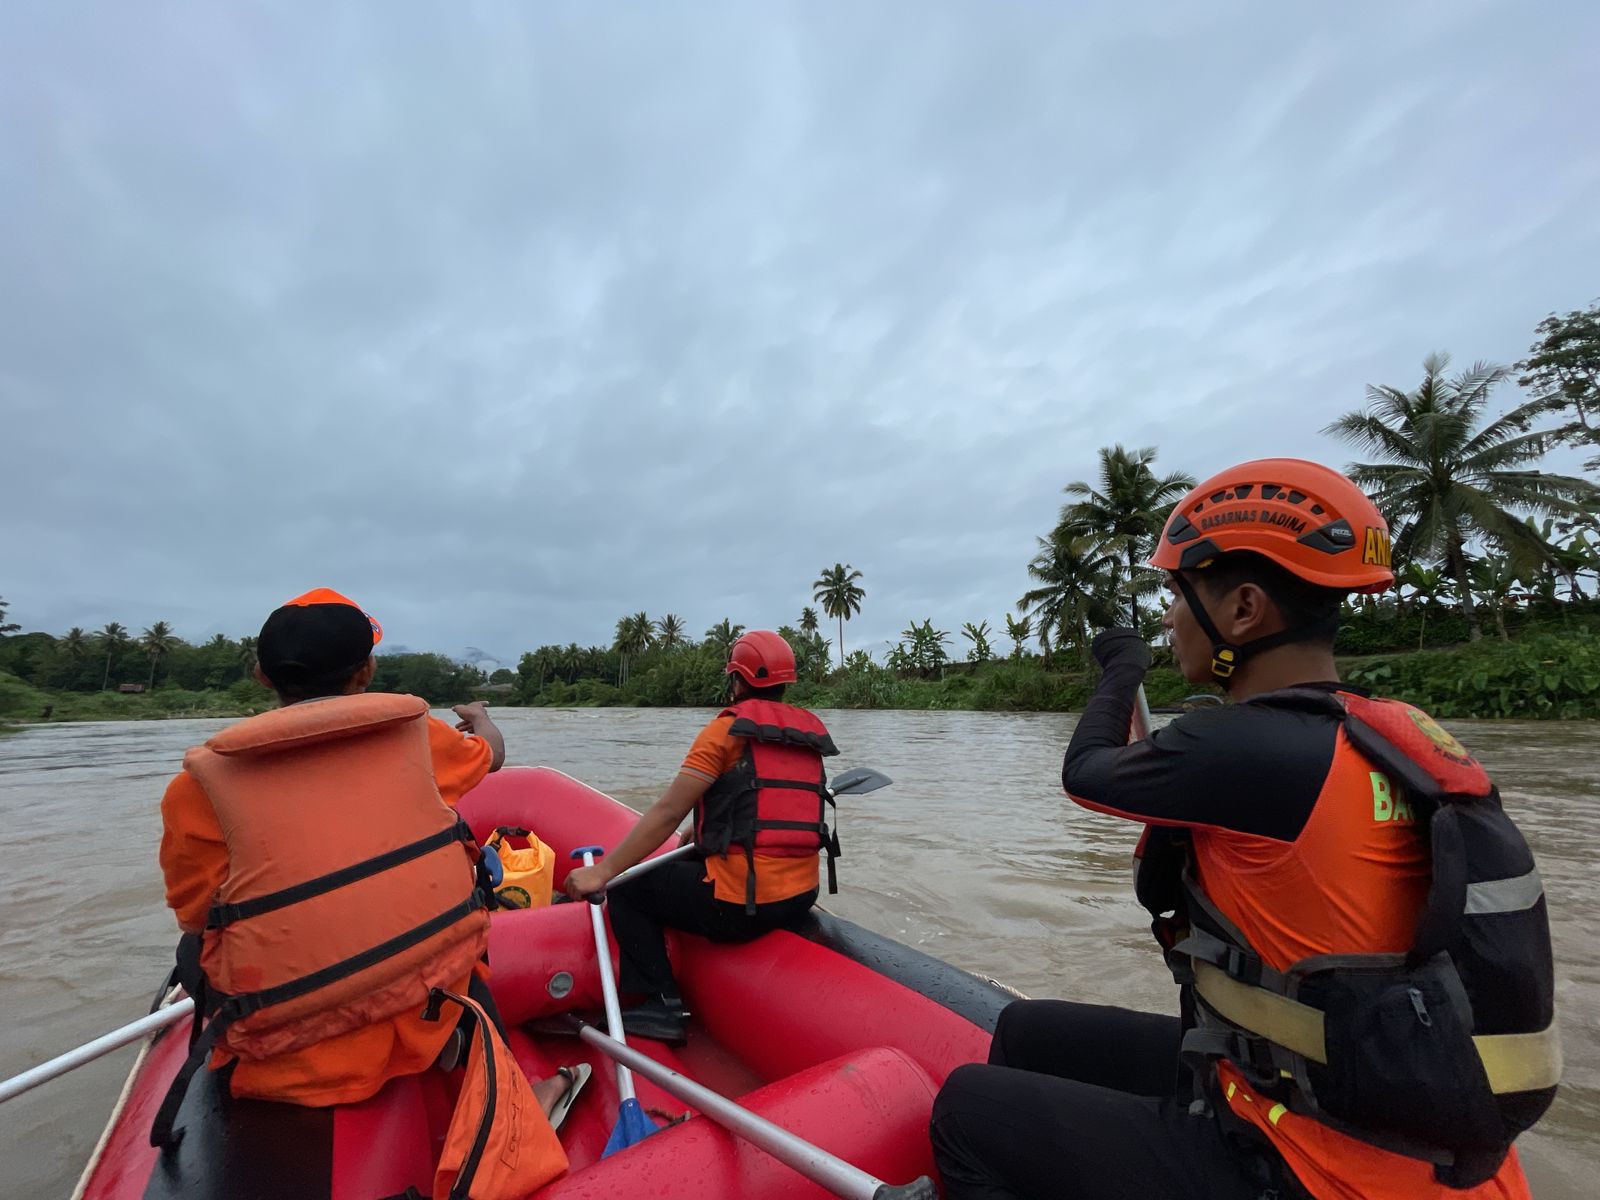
(973, 856)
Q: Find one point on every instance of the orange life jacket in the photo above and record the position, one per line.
(351, 888)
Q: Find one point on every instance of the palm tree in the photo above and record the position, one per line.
(1446, 482)
(669, 631)
(75, 643)
(835, 589)
(113, 637)
(635, 633)
(723, 635)
(808, 621)
(978, 635)
(157, 642)
(1018, 631)
(1078, 579)
(5, 625)
(1127, 511)
(247, 653)
(543, 661)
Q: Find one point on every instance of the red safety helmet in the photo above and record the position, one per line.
(1307, 518)
(763, 658)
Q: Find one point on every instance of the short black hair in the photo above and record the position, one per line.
(1304, 606)
(751, 692)
(314, 689)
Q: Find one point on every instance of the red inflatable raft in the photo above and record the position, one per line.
(835, 1033)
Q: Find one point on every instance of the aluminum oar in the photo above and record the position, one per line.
(132, 1032)
(815, 1163)
(633, 1123)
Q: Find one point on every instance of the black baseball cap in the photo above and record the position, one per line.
(318, 637)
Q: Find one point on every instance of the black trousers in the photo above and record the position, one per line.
(1082, 1101)
(677, 896)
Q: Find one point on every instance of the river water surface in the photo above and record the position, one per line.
(973, 856)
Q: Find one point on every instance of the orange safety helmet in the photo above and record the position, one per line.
(1307, 518)
(763, 658)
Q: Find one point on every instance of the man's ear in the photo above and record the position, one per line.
(1252, 614)
(363, 677)
(260, 677)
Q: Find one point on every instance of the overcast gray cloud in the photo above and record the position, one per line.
(510, 319)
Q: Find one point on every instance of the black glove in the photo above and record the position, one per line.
(1120, 647)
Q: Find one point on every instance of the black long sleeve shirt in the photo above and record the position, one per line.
(1256, 767)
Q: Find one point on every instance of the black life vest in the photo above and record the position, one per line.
(1444, 1053)
(775, 799)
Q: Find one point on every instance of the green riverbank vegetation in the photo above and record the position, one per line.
(1496, 611)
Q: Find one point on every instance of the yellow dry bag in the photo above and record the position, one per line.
(529, 872)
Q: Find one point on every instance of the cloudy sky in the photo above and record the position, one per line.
(510, 319)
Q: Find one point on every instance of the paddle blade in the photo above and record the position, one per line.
(633, 1125)
(859, 780)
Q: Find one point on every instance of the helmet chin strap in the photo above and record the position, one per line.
(1227, 657)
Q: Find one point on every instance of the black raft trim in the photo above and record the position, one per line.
(226, 914)
(976, 999)
(822, 743)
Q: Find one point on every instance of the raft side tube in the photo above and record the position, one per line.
(870, 1108)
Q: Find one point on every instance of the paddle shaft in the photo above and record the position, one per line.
(101, 1046)
(608, 987)
(1140, 726)
(650, 864)
(815, 1163)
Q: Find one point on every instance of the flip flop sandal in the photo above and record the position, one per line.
(576, 1077)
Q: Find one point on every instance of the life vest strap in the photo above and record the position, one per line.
(799, 785)
(162, 1134)
(1294, 1026)
(221, 915)
(244, 1004)
(1513, 1062)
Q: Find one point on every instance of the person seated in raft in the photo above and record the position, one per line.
(329, 781)
(1291, 823)
(754, 778)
